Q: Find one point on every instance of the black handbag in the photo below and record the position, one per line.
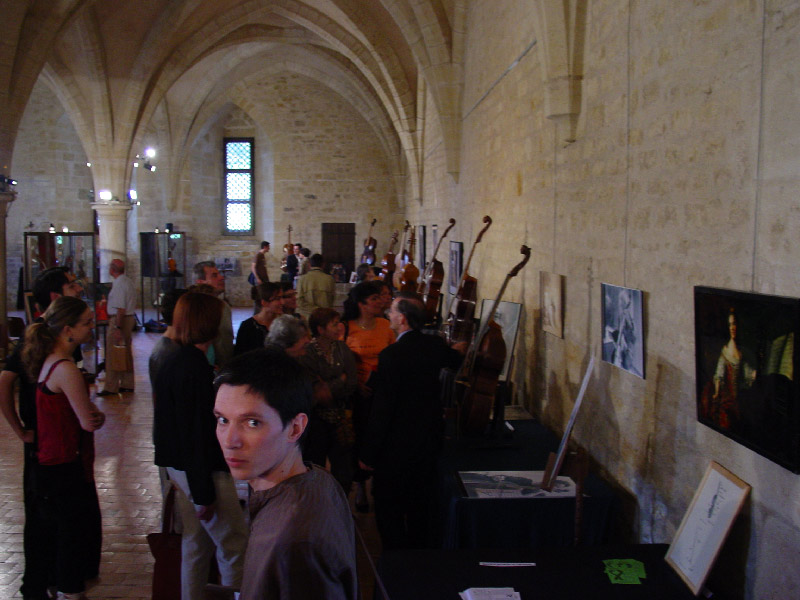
(166, 549)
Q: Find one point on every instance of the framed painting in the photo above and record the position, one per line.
(706, 524)
(552, 298)
(455, 264)
(623, 328)
(745, 361)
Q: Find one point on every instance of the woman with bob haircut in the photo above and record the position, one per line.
(65, 418)
(184, 434)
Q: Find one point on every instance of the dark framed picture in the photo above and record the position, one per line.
(623, 328)
(745, 362)
(455, 266)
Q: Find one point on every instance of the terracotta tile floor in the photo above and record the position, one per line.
(129, 490)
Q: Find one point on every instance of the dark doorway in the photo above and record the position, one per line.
(339, 246)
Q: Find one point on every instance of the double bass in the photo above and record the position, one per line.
(288, 249)
(401, 259)
(368, 256)
(409, 273)
(483, 364)
(387, 262)
(430, 287)
(460, 316)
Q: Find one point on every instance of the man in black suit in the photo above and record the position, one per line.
(404, 435)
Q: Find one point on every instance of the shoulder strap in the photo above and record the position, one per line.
(52, 368)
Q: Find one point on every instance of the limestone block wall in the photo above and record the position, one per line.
(54, 181)
(683, 173)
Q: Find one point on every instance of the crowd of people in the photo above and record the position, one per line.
(299, 388)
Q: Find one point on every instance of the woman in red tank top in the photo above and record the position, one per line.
(65, 418)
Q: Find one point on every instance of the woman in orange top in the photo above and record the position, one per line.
(366, 333)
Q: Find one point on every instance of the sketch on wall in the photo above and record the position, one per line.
(745, 362)
(552, 297)
(623, 328)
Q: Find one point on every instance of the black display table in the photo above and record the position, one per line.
(560, 573)
(514, 522)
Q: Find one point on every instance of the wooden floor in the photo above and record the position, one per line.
(129, 490)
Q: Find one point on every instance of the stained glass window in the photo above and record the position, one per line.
(238, 185)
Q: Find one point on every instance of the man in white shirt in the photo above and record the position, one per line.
(121, 320)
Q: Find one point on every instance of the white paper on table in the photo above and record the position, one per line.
(490, 594)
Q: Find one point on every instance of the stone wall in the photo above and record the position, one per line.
(683, 173)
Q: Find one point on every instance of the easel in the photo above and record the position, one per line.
(575, 464)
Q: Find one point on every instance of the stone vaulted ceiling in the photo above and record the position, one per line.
(113, 64)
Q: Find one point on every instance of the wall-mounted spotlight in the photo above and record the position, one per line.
(149, 167)
(52, 228)
(88, 164)
(6, 183)
(65, 229)
(133, 195)
(150, 152)
(105, 195)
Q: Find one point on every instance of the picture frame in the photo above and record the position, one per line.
(422, 248)
(31, 311)
(623, 328)
(456, 263)
(706, 525)
(507, 316)
(556, 459)
(552, 303)
(745, 359)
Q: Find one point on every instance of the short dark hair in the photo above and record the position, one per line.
(410, 305)
(273, 375)
(296, 244)
(265, 291)
(358, 295)
(316, 260)
(265, 244)
(200, 269)
(320, 318)
(362, 270)
(50, 280)
(305, 252)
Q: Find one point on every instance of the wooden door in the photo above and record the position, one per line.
(339, 245)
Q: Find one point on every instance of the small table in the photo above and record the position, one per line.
(514, 522)
(560, 573)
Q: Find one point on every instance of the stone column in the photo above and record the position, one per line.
(113, 233)
(6, 198)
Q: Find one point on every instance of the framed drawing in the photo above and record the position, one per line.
(706, 525)
(455, 266)
(507, 317)
(623, 329)
(552, 297)
(745, 362)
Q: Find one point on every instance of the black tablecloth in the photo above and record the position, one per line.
(560, 573)
(514, 522)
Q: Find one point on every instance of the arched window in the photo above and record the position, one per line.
(239, 186)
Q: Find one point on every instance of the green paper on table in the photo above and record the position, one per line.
(624, 570)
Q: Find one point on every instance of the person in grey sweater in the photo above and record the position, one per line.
(302, 541)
